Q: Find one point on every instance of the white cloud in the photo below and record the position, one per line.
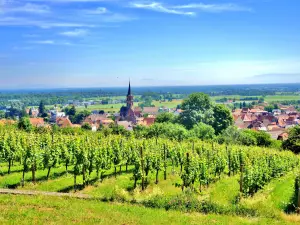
(159, 7)
(182, 9)
(74, 33)
(21, 21)
(27, 8)
(44, 42)
(51, 42)
(213, 7)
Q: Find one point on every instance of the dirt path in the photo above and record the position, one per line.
(24, 192)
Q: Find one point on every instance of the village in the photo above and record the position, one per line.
(276, 123)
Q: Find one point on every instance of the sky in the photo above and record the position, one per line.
(103, 43)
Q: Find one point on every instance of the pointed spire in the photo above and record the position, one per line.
(129, 89)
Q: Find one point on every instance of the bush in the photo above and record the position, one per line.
(86, 126)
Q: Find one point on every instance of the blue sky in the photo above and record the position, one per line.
(98, 43)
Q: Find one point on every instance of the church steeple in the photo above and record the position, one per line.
(129, 99)
(129, 89)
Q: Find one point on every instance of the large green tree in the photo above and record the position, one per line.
(293, 142)
(197, 108)
(197, 102)
(223, 118)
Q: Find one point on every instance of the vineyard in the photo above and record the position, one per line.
(140, 170)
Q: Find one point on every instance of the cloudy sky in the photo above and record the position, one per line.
(99, 43)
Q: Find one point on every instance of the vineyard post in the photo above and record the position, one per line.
(75, 181)
(165, 163)
(142, 161)
(121, 147)
(298, 200)
(241, 179)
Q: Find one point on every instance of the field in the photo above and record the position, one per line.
(57, 210)
(175, 103)
(248, 184)
(269, 203)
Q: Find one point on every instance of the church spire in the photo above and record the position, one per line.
(129, 89)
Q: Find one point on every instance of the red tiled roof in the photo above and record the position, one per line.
(63, 122)
(37, 121)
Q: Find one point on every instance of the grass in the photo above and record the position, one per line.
(58, 210)
(225, 191)
(270, 202)
(275, 197)
(277, 98)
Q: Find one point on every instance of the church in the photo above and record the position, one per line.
(127, 112)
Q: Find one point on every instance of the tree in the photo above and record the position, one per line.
(223, 118)
(202, 131)
(261, 100)
(190, 118)
(24, 124)
(2, 114)
(269, 108)
(79, 117)
(197, 108)
(30, 112)
(197, 102)
(293, 142)
(42, 109)
(165, 117)
(229, 136)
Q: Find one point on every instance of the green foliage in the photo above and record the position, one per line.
(223, 118)
(293, 141)
(86, 126)
(246, 137)
(202, 131)
(165, 117)
(42, 109)
(24, 124)
(197, 102)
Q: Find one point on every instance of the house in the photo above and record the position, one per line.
(138, 111)
(37, 122)
(288, 109)
(98, 120)
(239, 123)
(54, 114)
(128, 125)
(258, 125)
(272, 126)
(149, 121)
(245, 110)
(275, 133)
(146, 121)
(64, 122)
(276, 112)
(283, 136)
(150, 110)
(34, 112)
(7, 122)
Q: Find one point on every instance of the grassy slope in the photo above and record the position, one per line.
(269, 202)
(57, 210)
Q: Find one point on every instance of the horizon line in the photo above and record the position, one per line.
(142, 86)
